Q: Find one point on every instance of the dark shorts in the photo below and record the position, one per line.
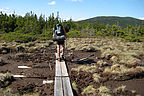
(60, 42)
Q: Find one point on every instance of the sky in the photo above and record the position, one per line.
(75, 9)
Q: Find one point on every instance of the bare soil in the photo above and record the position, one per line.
(43, 68)
(84, 79)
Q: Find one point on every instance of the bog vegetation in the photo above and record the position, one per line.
(31, 27)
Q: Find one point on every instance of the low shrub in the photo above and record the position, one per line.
(132, 38)
(24, 38)
(18, 37)
(74, 33)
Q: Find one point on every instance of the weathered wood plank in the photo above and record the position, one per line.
(62, 85)
(67, 86)
(24, 67)
(58, 87)
(47, 81)
(15, 76)
(63, 69)
(58, 69)
(25, 76)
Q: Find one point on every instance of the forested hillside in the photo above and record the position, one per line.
(31, 27)
(122, 21)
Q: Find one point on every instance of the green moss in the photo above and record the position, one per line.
(120, 88)
(89, 90)
(74, 85)
(103, 89)
(8, 92)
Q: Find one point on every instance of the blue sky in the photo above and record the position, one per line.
(76, 9)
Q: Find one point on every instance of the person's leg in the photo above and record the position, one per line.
(59, 53)
(63, 46)
(62, 51)
(58, 50)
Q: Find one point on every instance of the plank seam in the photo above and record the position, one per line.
(62, 80)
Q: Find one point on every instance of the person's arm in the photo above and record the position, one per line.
(53, 31)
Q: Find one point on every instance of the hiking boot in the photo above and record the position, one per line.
(61, 59)
(62, 56)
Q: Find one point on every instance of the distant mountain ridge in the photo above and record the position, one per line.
(122, 21)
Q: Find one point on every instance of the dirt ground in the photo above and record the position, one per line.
(43, 68)
(84, 79)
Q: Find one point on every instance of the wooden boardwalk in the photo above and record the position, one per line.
(62, 86)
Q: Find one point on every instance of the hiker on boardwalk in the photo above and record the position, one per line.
(59, 36)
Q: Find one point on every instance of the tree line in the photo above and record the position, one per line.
(31, 27)
(131, 33)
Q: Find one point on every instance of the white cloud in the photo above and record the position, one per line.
(76, 0)
(4, 10)
(1, 9)
(141, 18)
(66, 18)
(8, 11)
(52, 3)
(78, 19)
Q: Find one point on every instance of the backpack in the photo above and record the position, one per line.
(59, 33)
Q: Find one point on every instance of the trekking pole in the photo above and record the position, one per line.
(53, 49)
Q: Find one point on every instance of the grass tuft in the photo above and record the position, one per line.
(74, 85)
(89, 90)
(96, 77)
(103, 89)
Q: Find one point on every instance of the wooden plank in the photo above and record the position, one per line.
(24, 67)
(67, 86)
(25, 76)
(62, 85)
(47, 81)
(18, 76)
(58, 69)
(58, 88)
(63, 69)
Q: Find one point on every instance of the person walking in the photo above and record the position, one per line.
(59, 36)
